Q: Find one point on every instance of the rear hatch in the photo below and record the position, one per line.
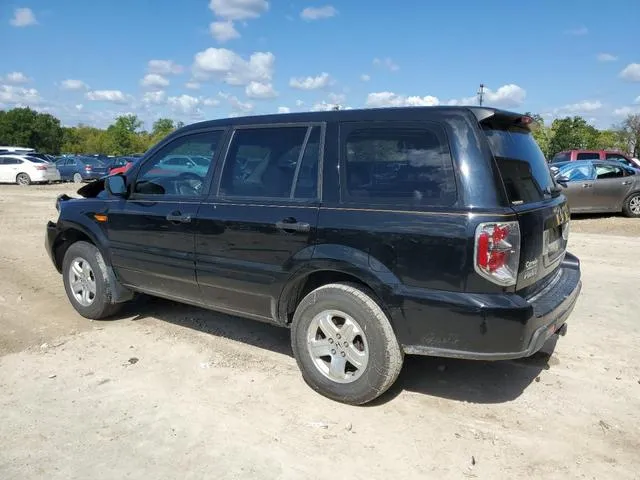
(542, 211)
(95, 166)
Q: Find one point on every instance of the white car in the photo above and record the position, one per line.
(24, 170)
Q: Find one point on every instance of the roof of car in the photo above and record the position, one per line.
(350, 115)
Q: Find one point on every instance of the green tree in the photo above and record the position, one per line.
(162, 127)
(541, 133)
(629, 132)
(27, 128)
(570, 133)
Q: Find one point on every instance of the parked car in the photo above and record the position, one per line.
(25, 170)
(439, 256)
(573, 155)
(15, 150)
(80, 169)
(121, 165)
(42, 156)
(600, 186)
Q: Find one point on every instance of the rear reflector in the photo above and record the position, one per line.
(497, 252)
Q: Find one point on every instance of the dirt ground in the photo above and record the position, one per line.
(170, 391)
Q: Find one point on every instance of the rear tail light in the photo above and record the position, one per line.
(88, 168)
(40, 167)
(497, 252)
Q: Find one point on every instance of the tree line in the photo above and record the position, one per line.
(27, 128)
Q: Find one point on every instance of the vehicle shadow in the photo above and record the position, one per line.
(462, 380)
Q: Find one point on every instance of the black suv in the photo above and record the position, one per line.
(370, 233)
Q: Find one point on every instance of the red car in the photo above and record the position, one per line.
(610, 155)
(121, 165)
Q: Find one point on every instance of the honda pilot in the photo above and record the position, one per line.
(370, 233)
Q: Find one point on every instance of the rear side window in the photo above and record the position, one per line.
(561, 157)
(588, 156)
(269, 162)
(391, 165)
(608, 171)
(521, 163)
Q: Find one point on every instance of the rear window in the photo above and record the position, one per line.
(561, 157)
(521, 163)
(588, 156)
(92, 161)
(35, 160)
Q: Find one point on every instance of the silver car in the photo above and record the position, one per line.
(598, 186)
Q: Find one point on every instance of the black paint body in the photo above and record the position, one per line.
(233, 257)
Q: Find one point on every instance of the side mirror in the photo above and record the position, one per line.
(116, 186)
(562, 180)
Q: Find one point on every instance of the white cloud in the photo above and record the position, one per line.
(210, 102)
(624, 111)
(606, 57)
(154, 81)
(284, 110)
(19, 96)
(260, 90)
(238, 9)
(192, 85)
(73, 85)
(327, 106)
(113, 96)
(580, 107)
(16, 78)
(223, 31)
(231, 68)
(319, 13)
(631, 72)
(637, 100)
(185, 104)
(23, 17)
(164, 67)
(507, 96)
(387, 63)
(578, 31)
(236, 105)
(337, 98)
(390, 99)
(154, 98)
(79, 107)
(299, 103)
(310, 83)
(365, 78)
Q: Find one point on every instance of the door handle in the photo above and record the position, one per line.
(626, 183)
(291, 224)
(177, 217)
(587, 185)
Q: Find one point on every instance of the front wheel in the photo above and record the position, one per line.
(77, 178)
(631, 207)
(344, 344)
(23, 179)
(87, 283)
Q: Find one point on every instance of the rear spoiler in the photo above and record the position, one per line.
(504, 118)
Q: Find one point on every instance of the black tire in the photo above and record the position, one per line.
(385, 356)
(101, 306)
(630, 204)
(23, 179)
(77, 178)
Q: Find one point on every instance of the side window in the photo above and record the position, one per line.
(561, 157)
(397, 165)
(616, 157)
(576, 173)
(159, 177)
(608, 171)
(267, 162)
(588, 156)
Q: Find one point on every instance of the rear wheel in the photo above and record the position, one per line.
(344, 344)
(77, 178)
(23, 179)
(87, 282)
(631, 207)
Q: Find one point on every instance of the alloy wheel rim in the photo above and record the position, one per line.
(634, 205)
(82, 282)
(337, 346)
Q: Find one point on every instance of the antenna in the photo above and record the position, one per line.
(481, 94)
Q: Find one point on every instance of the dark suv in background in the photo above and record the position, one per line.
(370, 233)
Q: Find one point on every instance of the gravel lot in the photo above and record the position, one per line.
(170, 391)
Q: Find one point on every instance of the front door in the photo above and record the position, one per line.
(579, 189)
(151, 233)
(263, 220)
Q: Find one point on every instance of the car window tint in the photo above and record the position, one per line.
(156, 177)
(561, 157)
(588, 156)
(576, 173)
(608, 171)
(262, 162)
(396, 165)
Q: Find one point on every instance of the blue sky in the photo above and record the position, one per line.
(88, 61)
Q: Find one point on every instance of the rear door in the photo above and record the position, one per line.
(263, 220)
(151, 232)
(5, 170)
(610, 187)
(543, 213)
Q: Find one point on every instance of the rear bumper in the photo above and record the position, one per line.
(492, 327)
